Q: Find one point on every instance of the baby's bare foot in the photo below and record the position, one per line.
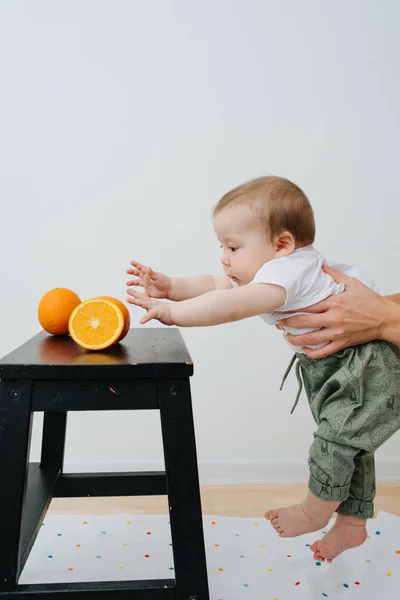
(310, 515)
(347, 532)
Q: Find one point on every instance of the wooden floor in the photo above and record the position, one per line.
(222, 500)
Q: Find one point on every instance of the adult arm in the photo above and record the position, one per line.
(356, 316)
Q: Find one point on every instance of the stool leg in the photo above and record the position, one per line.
(15, 435)
(53, 439)
(183, 489)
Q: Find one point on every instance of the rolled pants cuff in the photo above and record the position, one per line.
(356, 508)
(340, 494)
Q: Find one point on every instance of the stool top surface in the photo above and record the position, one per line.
(151, 352)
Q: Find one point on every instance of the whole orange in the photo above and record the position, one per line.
(125, 312)
(55, 309)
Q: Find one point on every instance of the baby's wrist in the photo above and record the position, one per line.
(169, 288)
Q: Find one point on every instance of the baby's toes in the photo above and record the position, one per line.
(271, 514)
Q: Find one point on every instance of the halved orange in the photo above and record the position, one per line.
(125, 312)
(96, 323)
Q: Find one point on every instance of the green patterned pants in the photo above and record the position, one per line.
(354, 397)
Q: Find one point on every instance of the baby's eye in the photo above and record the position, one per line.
(232, 249)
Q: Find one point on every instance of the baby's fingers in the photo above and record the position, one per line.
(138, 265)
(143, 302)
(135, 282)
(151, 314)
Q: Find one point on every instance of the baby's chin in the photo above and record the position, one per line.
(239, 282)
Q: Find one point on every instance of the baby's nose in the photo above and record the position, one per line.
(225, 260)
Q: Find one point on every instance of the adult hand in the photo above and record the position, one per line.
(355, 316)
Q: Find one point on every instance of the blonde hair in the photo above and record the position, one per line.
(280, 205)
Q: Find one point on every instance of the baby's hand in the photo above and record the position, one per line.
(155, 309)
(156, 285)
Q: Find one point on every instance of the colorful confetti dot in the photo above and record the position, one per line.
(345, 585)
(104, 532)
(356, 583)
(245, 585)
(84, 523)
(121, 566)
(326, 595)
(255, 524)
(308, 545)
(388, 574)
(128, 522)
(98, 556)
(216, 545)
(78, 545)
(236, 534)
(289, 556)
(70, 569)
(171, 569)
(59, 534)
(262, 545)
(318, 564)
(269, 570)
(242, 556)
(148, 533)
(377, 533)
(49, 556)
(213, 523)
(125, 545)
(397, 551)
(147, 555)
(220, 569)
(297, 583)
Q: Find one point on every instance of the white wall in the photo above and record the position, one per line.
(122, 122)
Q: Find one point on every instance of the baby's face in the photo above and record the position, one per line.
(245, 248)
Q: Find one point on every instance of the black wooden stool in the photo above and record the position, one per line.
(150, 369)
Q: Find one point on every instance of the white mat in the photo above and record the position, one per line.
(245, 557)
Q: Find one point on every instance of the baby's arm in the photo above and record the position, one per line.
(159, 285)
(213, 308)
(185, 288)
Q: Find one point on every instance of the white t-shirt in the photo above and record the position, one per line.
(305, 283)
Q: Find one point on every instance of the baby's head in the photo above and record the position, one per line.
(262, 219)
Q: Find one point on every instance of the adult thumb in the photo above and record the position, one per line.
(338, 276)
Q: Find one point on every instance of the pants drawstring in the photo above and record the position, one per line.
(298, 377)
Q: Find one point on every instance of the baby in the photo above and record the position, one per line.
(266, 229)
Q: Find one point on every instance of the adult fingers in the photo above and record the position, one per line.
(307, 321)
(338, 276)
(312, 338)
(325, 351)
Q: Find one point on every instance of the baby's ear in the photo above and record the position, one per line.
(285, 243)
